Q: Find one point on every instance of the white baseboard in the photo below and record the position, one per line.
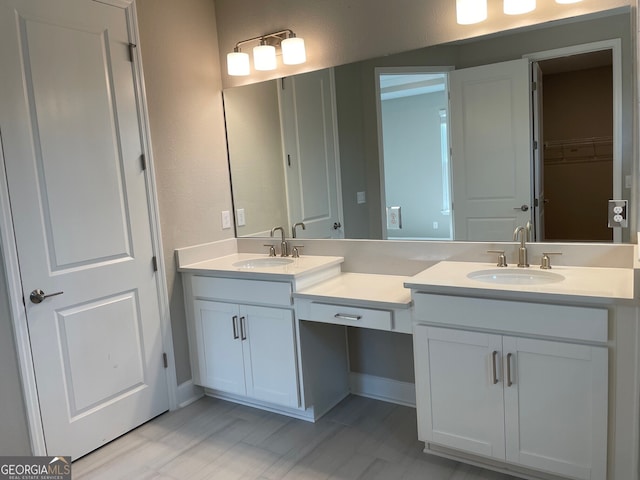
(188, 393)
(380, 388)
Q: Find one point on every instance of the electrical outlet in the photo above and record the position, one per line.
(618, 213)
(435, 225)
(240, 217)
(226, 219)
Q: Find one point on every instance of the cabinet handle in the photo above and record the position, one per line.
(509, 382)
(243, 333)
(494, 369)
(234, 323)
(346, 316)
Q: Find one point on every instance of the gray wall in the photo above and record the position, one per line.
(179, 49)
(14, 436)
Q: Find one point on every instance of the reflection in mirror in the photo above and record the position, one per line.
(314, 147)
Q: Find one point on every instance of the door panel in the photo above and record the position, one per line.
(464, 405)
(556, 407)
(270, 356)
(221, 361)
(311, 146)
(68, 115)
(491, 145)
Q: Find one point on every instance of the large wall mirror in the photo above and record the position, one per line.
(461, 141)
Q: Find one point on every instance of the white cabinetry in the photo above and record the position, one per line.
(242, 339)
(534, 403)
(248, 350)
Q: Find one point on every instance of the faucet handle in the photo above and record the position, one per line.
(272, 249)
(545, 261)
(502, 259)
(295, 251)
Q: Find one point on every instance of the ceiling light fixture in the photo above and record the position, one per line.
(518, 7)
(264, 54)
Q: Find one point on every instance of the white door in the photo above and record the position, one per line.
(459, 384)
(556, 407)
(219, 338)
(491, 150)
(309, 129)
(270, 355)
(538, 152)
(72, 152)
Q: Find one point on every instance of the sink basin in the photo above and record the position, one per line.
(263, 262)
(515, 277)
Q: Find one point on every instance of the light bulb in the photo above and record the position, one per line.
(293, 51)
(517, 7)
(471, 11)
(238, 64)
(264, 57)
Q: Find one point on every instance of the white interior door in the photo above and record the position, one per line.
(78, 194)
(491, 145)
(538, 152)
(309, 128)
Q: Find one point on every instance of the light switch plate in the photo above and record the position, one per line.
(361, 197)
(226, 219)
(240, 217)
(618, 213)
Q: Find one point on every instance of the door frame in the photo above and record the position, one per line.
(615, 45)
(12, 267)
(400, 71)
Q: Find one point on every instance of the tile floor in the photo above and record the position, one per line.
(213, 439)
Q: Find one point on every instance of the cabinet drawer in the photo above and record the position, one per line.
(576, 323)
(350, 316)
(241, 291)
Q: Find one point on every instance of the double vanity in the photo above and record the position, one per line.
(521, 370)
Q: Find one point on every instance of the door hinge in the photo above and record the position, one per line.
(143, 162)
(282, 83)
(154, 262)
(535, 144)
(165, 362)
(534, 86)
(131, 55)
(288, 160)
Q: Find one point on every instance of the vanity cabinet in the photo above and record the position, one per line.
(248, 350)
(537, 403)
(242, 339)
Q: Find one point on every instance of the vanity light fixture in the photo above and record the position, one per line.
(518, 7)
(475, 11)
(264, 54)
(471, 11)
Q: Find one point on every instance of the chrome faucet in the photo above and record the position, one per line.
(284, 246)
(293, 229)
(522, 251)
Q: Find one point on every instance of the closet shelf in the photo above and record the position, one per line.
(578, 150)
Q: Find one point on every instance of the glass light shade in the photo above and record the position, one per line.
(238, 64)
(264, 57)
(293, 52)
(517, 7)
(471, 11)
(564, 2)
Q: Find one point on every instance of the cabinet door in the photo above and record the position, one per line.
(459, 390)
(270, 355)
(556, 407)
(220, 357)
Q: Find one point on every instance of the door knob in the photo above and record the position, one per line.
(37, 296)
(524, 208)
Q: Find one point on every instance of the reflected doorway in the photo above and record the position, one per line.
(413, 131)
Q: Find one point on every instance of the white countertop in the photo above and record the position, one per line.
(451, 277)
(224, 266)
(361, 289)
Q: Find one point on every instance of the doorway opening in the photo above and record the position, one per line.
(578, 154)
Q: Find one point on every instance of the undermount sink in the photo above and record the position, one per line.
(263, 262)
(515, 277)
